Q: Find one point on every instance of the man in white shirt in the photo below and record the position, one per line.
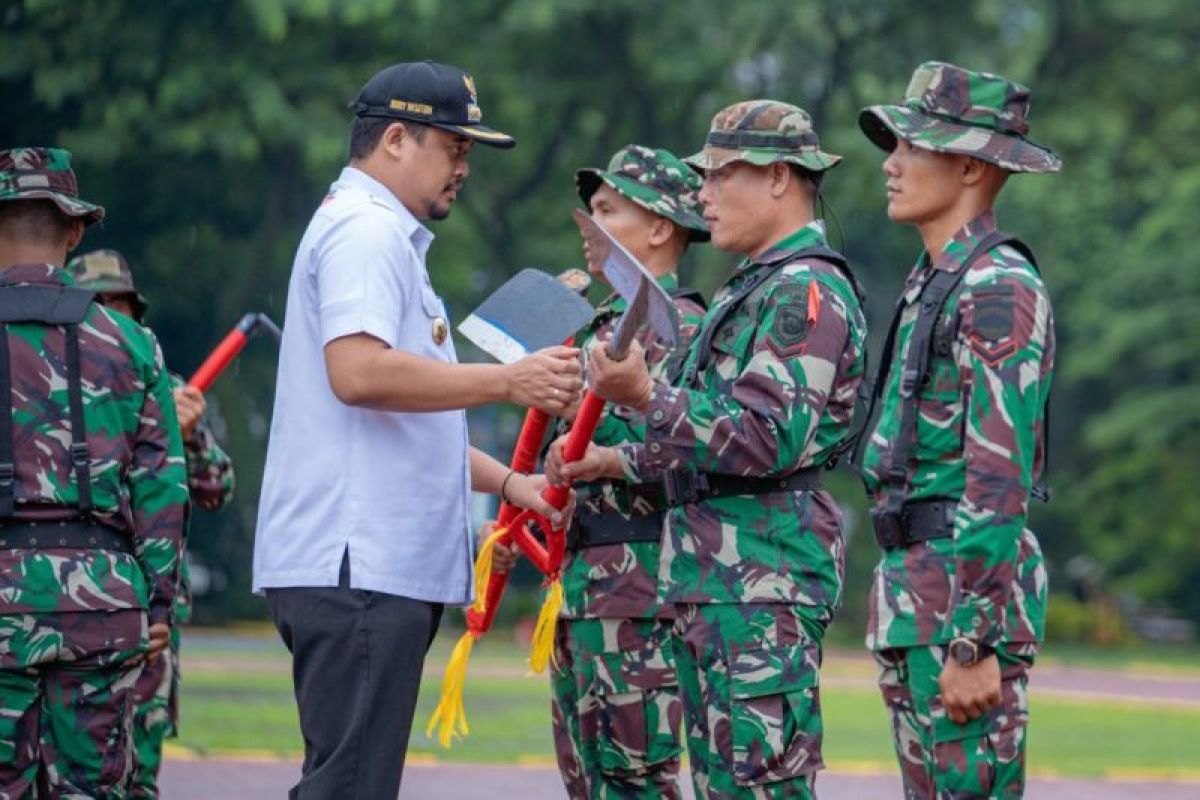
(362, 533)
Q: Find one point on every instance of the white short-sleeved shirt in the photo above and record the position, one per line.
(392, 487)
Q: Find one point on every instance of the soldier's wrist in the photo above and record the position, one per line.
(160, 614)
(645, 396)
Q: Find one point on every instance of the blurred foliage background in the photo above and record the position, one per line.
(211, 130)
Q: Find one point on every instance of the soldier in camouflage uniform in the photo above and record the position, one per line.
(753, 556)
(616, 703)
(210, 480)
(92, 501)
(958, 600)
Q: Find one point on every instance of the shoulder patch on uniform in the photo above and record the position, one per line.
(790, 326)
(992, 323)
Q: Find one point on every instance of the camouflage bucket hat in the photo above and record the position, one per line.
(657, 180)
(44, 173)
(107, 272)
(948, 109)
(761, 132)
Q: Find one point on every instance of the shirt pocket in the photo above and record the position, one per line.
(436, 323)
(775, 713)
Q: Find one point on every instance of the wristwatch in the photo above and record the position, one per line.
(967, 652)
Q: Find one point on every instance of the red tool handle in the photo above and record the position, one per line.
(549, 558)
(524, 458)
(218, 360)
(225, 352)
(577, 442)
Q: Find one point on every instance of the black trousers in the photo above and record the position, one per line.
(356, 667)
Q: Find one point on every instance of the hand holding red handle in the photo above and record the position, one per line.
(524, 458)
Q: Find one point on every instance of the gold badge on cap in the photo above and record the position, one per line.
(440, 330)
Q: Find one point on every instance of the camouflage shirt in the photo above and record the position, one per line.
(978, 440)
(210, 476)
(620, 580)
(210, 482)
(137, 463)
(776, 397)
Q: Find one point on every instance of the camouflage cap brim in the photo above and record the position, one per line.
(716, 157)
(883, 124)
(588, 180)
(71, 206)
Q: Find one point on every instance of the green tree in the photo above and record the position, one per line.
(210, 130)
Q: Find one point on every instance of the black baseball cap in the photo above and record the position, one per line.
(436, 94)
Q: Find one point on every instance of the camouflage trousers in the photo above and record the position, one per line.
(66, 703)
(155, 718)
(616, 711)
(748, 676)
(939, 759)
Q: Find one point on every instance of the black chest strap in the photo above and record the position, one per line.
(47, 305)
(915, 370)
(703, 344)
(677, 359)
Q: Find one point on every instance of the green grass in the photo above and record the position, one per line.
(240, 699)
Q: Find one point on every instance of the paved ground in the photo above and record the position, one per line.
(233, 780)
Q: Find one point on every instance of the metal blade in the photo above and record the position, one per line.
(532, 310)
(648, 302)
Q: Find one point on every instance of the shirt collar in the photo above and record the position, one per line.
(811, 234)
(420, 236)
(45, 274)
(954, 254)
(616, 304)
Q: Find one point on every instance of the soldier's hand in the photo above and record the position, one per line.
(504, 557)
(970, 692)
(597, 462)
(189, 407)
(525, 491)
(625, 383)
(550, 379)
(160, 636)
(570, 412)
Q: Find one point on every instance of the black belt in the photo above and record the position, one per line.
(647, 501)
(918, 521)
(641, 499)
(682, 487)
(71, 534)
(612, 527)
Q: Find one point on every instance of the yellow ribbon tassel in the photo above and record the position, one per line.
(483, 569)
(541, 652)
(450, 716)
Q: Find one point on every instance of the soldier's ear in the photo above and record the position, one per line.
(661, 231)
(75, 234)
(974, 171)
(781, 178)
